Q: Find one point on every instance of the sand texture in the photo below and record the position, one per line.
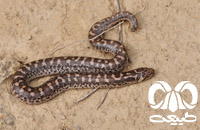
(168, 40)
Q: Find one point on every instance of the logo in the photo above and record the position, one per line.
(173, 102)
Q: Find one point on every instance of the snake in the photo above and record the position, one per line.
(71, 72)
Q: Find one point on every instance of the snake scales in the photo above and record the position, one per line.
(80, 72)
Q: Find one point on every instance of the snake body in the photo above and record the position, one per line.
(80, 72)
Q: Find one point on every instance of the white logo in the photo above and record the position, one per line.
(173, 101)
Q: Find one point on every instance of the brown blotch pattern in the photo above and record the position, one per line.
(81, 72)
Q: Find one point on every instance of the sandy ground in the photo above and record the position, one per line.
(167, 40)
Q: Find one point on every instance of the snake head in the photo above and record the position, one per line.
(145, 73)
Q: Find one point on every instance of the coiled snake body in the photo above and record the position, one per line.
(81, 72)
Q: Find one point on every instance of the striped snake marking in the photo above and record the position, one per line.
(81, 72)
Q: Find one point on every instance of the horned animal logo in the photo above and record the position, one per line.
(173, 99)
